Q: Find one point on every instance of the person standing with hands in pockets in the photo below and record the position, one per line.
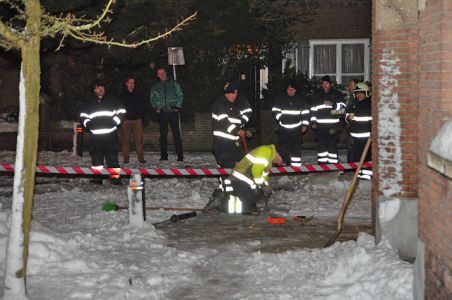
(166, 100)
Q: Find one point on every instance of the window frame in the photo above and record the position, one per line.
(339, 43)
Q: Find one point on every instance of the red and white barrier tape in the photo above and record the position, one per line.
(182, 172)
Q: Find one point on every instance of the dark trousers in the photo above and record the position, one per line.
(242, 190)
(104, 146)
(289, 144)
(171, 118)
(326, 135)
(227, 152)
(355, 149)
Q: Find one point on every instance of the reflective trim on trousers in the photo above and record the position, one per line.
(234, 205)
(366, 177)
(322, 154)
(367, 172)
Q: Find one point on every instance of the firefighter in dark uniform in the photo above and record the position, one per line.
(359, 117)
(325, 121)
(101, 117)
(292, 116)
(230, 113)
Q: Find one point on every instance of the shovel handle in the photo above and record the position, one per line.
(245, 146)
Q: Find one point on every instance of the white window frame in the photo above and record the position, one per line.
(339, 44)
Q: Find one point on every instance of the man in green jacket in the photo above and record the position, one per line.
(166, 100)
(244, 186)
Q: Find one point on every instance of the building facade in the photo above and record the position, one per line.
(412, 109)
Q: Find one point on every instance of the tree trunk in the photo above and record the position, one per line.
(26, 153)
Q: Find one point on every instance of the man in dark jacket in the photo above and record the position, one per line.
(136, 109)
(325, 121)
(101, 117)
(166, 100)
(359, 117)
(292, 115)
(230, 113)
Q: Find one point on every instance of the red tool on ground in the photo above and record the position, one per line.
(276, 220)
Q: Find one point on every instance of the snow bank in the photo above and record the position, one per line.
(348, 270)
(47, 250)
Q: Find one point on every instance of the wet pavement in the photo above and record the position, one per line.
(216, 230)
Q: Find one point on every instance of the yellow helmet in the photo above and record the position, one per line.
(362, 87)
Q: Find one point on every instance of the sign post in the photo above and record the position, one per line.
(175, 58)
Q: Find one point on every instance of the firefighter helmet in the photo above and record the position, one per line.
(362, 87)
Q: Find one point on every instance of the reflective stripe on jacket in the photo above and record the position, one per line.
(255, 166)
(102, 115)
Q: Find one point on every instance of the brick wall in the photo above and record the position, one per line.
(394, 108)
(412, 99)
(195, 137)
(338, 19)
(435, 102)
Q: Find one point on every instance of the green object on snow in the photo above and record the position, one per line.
(109, 206)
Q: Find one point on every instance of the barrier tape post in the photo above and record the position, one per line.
(77, 140)
(137, 206)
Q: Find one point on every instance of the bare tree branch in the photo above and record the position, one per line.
(100, 38)
(96, 22)
(10, 36)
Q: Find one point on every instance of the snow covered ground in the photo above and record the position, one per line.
(79, 251)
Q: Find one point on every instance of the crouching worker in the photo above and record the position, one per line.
(243, 188)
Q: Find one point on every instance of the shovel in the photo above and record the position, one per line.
(348, 197)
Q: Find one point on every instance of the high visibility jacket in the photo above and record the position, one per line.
(255, 166)
(290, 112)
(166, 95)
(229, 117)
(102, 115)
(324, 104)
(360, 126)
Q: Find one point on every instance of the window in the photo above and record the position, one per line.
(343, 60)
